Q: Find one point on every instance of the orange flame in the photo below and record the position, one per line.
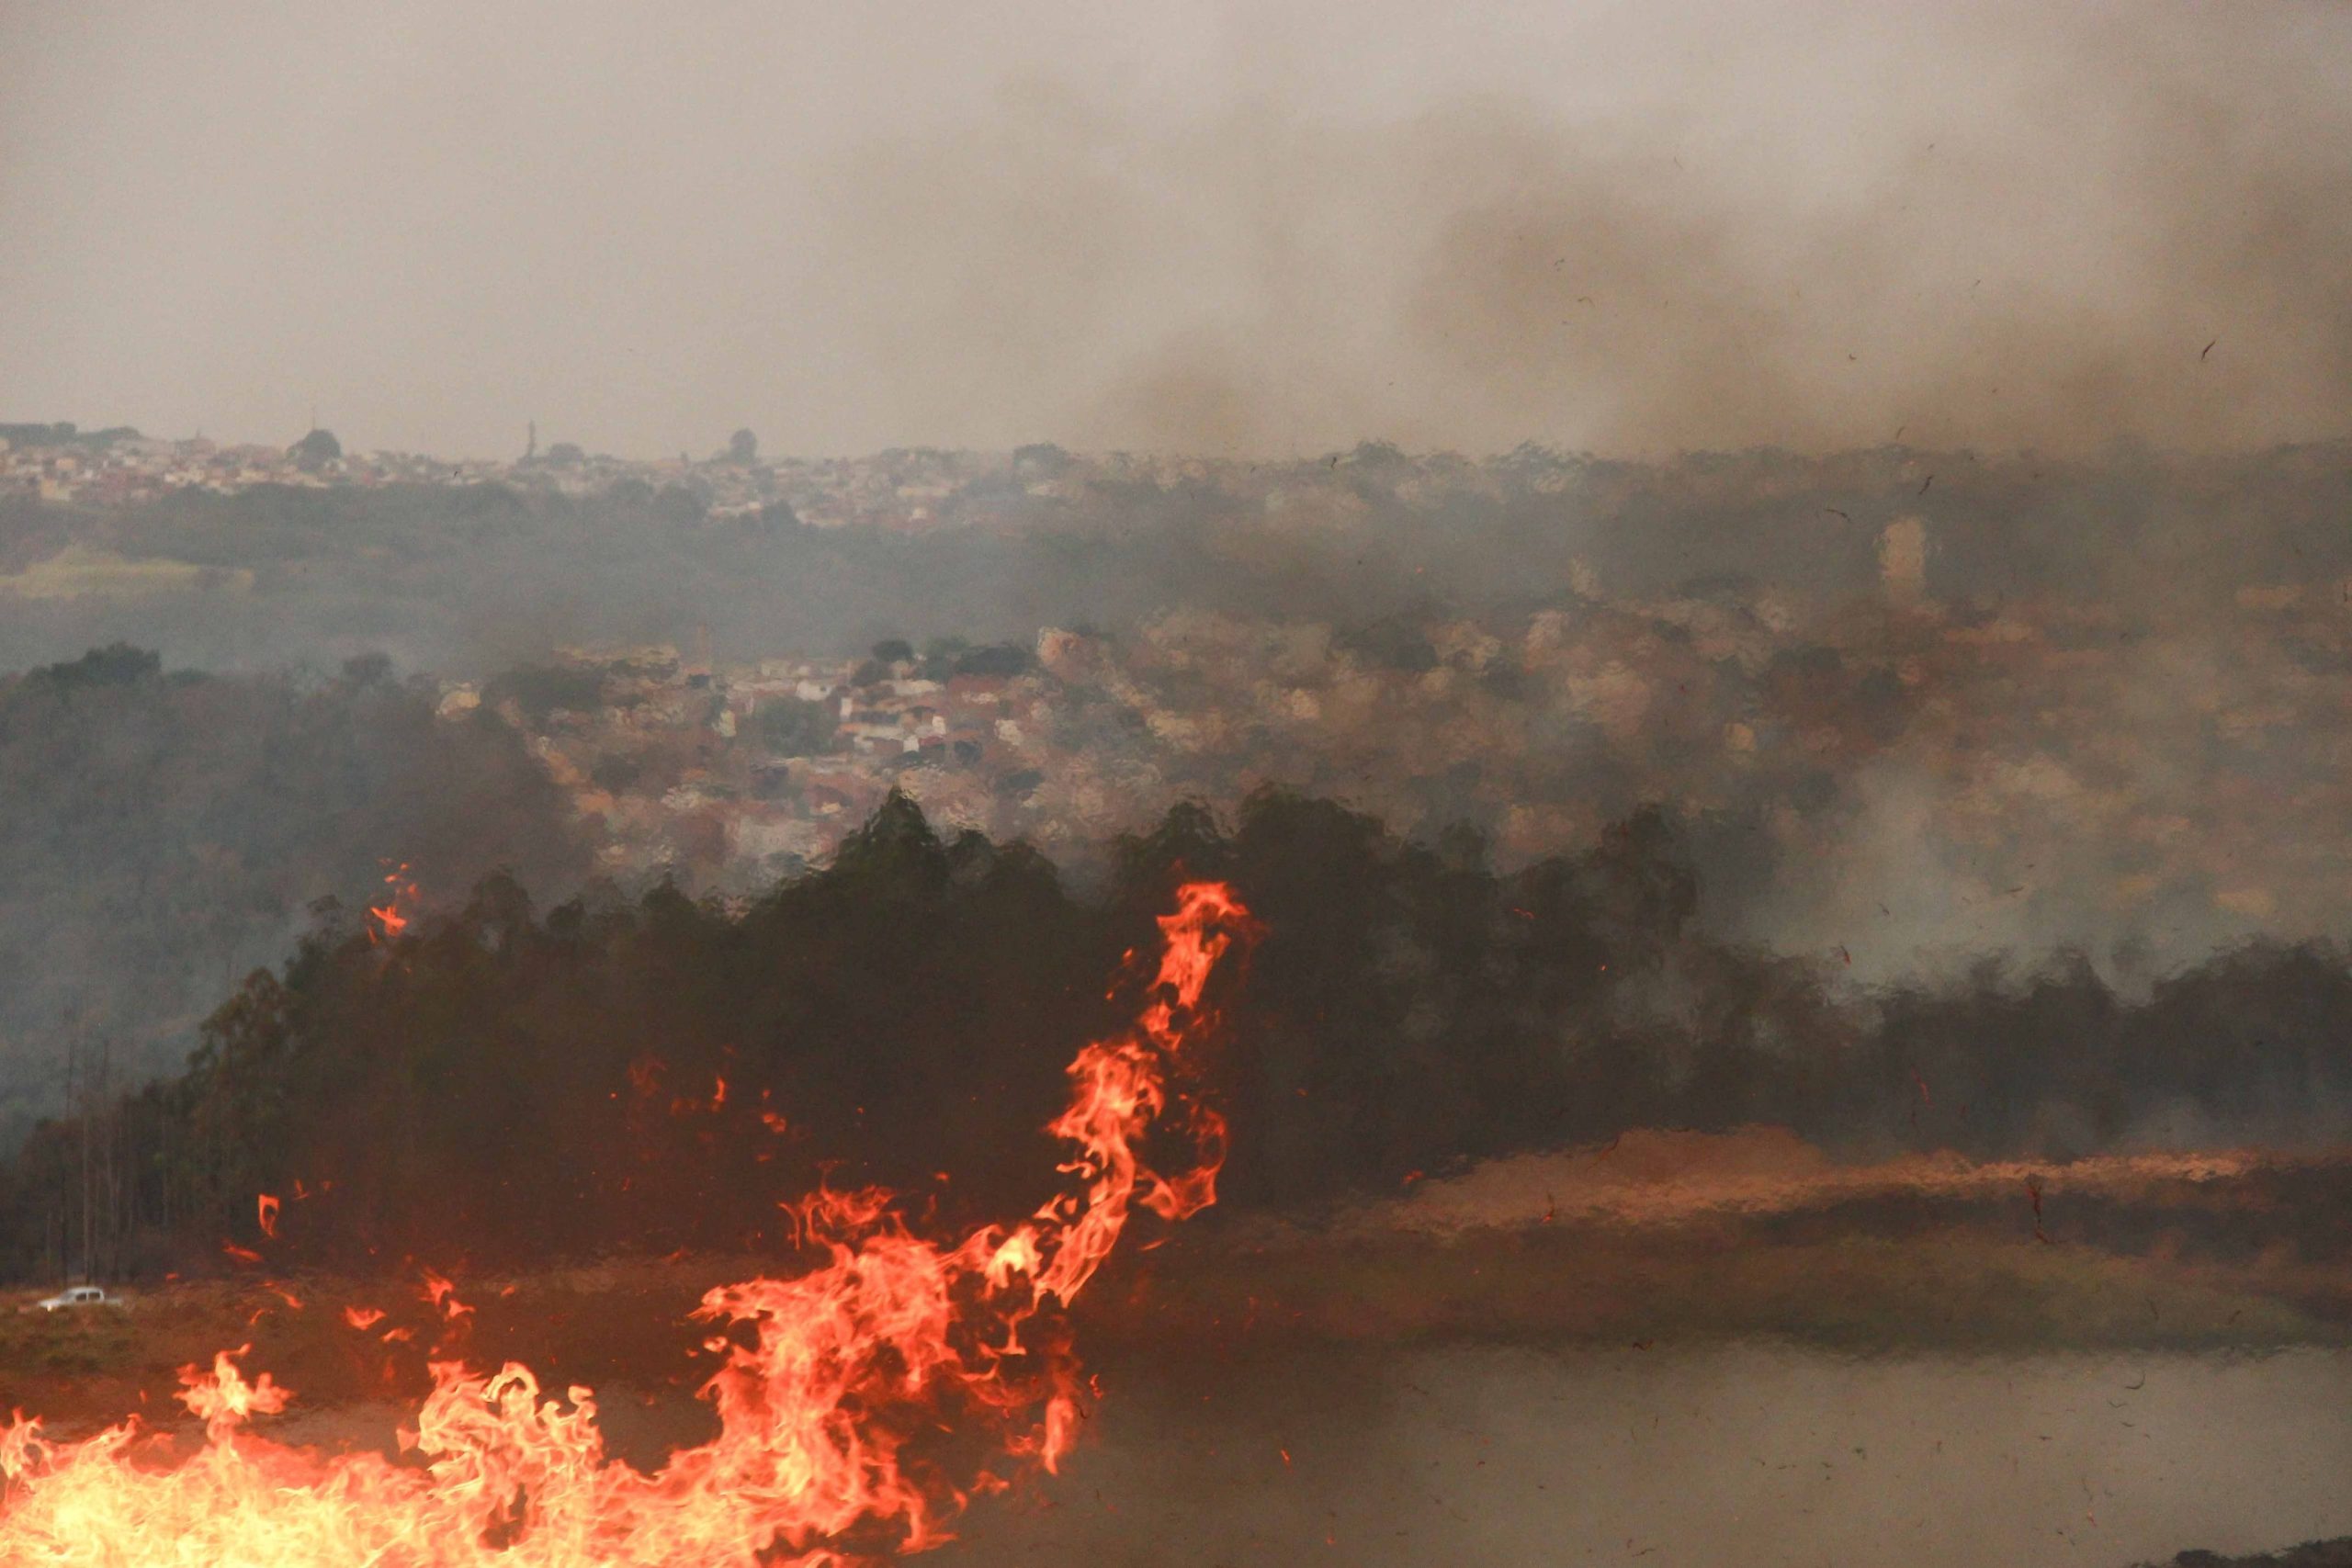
(832, 1397)
(387, 920)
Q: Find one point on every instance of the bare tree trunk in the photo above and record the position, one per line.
(109, 1165)
(82, 1187)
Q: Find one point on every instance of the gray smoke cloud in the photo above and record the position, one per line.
(1230, 228)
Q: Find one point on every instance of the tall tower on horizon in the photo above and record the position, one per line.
(1903, 560)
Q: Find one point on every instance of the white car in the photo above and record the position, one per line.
(79, 1296)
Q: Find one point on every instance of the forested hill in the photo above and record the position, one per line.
(163, 833)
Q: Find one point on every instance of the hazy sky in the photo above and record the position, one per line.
(1252, 227)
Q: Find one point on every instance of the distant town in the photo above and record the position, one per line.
(119, 467)
(1932, 763)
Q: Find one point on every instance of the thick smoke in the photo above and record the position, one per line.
(1253, 231)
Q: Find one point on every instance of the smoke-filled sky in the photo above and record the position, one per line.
(1246, 226)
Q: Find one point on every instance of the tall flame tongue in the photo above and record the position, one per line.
(831, 1400)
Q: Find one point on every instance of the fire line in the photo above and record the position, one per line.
(833, 1386)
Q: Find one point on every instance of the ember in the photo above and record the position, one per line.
(834, 1388)
(387, 920)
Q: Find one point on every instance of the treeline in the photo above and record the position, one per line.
(502, 1084)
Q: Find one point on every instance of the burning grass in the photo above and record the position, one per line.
(858, 1405)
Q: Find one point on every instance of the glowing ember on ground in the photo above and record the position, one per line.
(860, 1405)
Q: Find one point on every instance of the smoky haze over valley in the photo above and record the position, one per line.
(1252, 231)
(1728, 625)
(1961, 568)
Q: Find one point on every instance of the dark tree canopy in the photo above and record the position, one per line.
(791, 727)
(116, 664)
(316, 447)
